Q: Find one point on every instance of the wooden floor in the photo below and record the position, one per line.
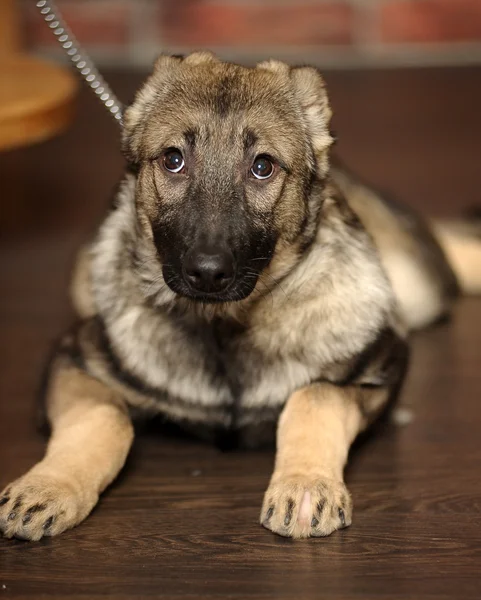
(181, 522)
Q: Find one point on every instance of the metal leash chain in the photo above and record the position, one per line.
(79, 58)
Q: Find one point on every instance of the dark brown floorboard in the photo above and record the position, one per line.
(181, 522)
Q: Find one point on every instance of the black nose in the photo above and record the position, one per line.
(209, 270)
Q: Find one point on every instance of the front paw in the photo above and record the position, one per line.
(301, 506)
(38, 505)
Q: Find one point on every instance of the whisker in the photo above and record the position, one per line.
(268, 291)
(276, 283)
(152, 259)
(148, 287)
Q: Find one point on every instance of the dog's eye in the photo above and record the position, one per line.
(173, 161)
(262, 167)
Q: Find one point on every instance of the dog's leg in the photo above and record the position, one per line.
(91, 436)
(307, 496)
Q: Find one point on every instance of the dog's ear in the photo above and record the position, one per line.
(276, 66)
(201, 57)
(137, 113)
(158, 83)
(310, 90)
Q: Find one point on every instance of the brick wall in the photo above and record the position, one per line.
(327, 32)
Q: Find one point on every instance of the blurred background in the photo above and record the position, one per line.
(332, 33)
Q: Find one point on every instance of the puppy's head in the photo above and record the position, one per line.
(226, 159)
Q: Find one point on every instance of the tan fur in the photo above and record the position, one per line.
(91, 437)
(412, 275)
(311, 91)
(315, 431)
(462, 243)
(80, 285)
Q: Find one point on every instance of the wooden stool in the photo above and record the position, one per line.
(36, 97)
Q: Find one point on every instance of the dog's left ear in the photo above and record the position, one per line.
(166, 71)
(310, 90)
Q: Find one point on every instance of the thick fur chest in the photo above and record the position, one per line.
(218, 374)
(209, 373)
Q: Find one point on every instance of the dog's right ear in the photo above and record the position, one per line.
(137, 113)
(310, 90)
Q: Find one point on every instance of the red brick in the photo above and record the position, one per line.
(218, 23)
(94, 23)
(431, 21)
